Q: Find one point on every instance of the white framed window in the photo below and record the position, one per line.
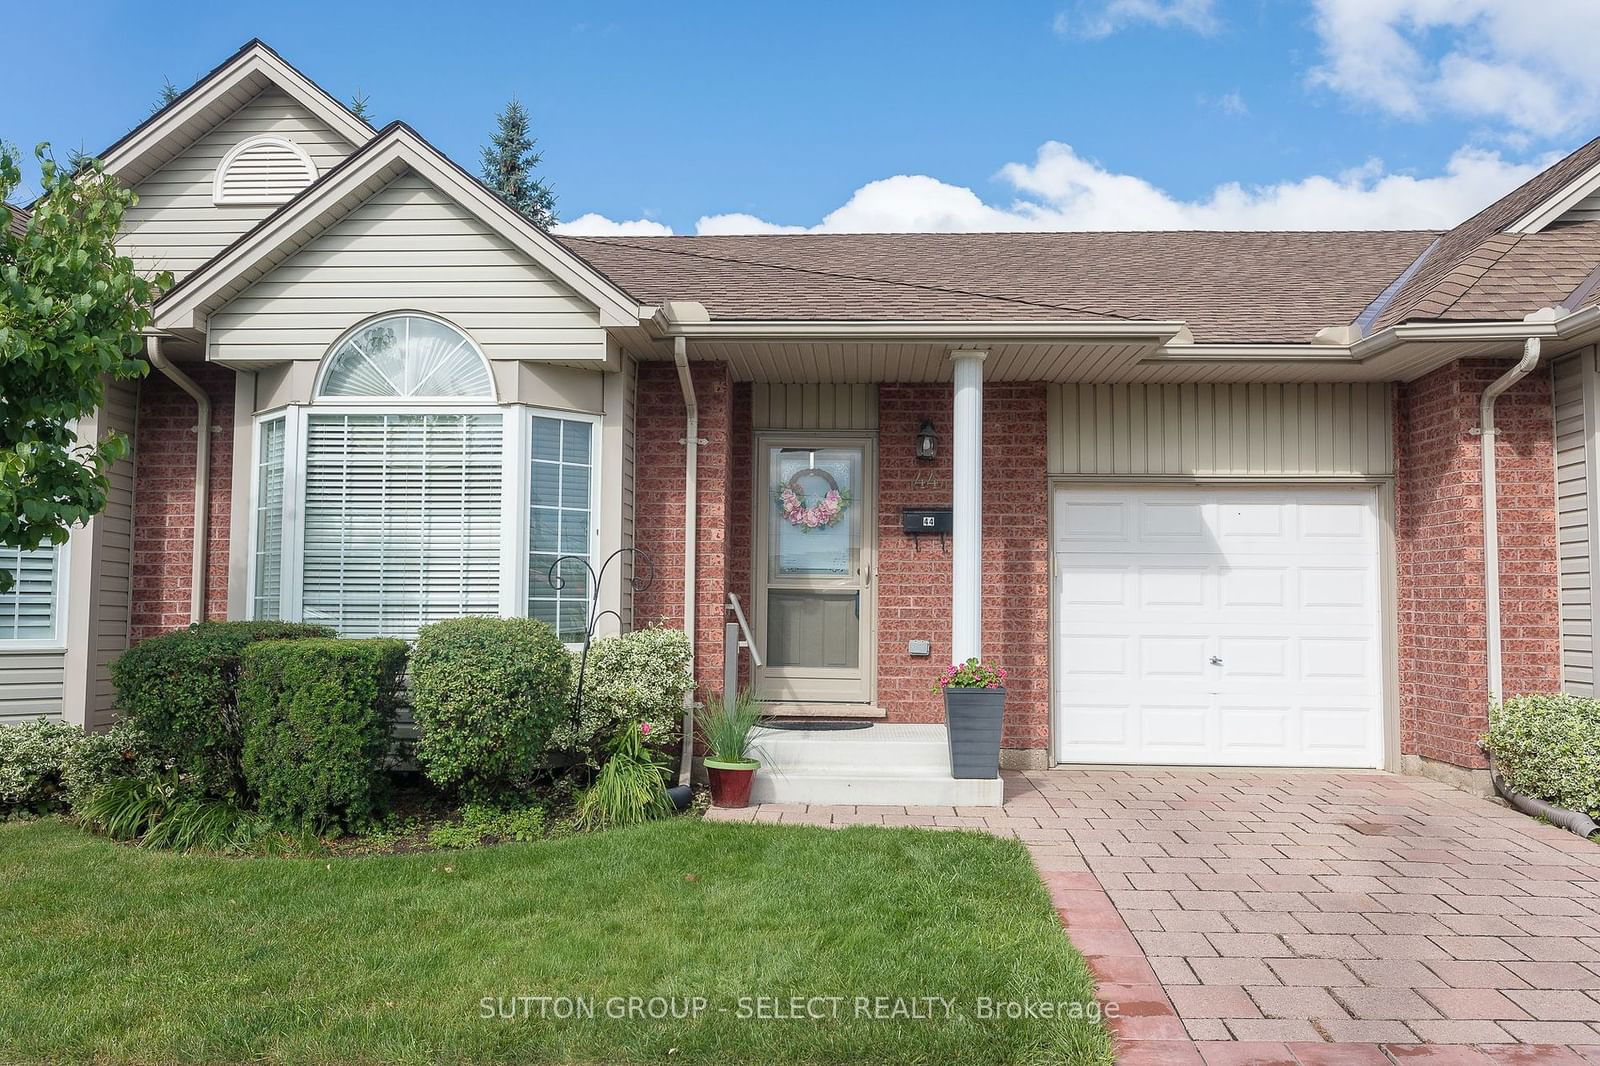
(262, 170)
(32, 613)
(563, 502)
(267, 527)
(404, 495)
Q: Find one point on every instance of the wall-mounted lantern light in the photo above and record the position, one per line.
(927, 440)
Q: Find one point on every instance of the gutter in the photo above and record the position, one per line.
(691, 461)
(1491, 518)
(202, 473)
(666, 324)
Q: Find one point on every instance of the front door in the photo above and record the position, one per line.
(814, 558)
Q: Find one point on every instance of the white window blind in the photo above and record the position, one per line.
(269, 521)
(29, 610)
(559, 522)
(402, 520)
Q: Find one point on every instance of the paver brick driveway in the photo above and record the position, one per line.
(1298, 908)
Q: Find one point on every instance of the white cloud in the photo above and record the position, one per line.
(1526, 65)
(1061, 190)
(1232, 103)
(739, 222)
(594, 224)
(1105, 17)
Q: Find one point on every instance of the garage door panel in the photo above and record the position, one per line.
(1256, 658)
(1092, 659)
(1166, 658)
(1169, 588)
(1177, 524)
(1218, 626)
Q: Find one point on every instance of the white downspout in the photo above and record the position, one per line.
(691, 459)
(202, 473)
(1491, 517)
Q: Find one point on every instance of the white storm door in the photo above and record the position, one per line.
(814, 603)
(1218, 626)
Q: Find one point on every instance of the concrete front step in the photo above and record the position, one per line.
(883, 765)
(909, 747)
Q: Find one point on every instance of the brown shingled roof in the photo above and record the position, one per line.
(1511, 275)
(17, 220)
(1471, 245)
(1247, 287)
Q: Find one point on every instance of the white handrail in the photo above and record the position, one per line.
(744, 627)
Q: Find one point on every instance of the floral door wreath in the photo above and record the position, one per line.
(806, 514)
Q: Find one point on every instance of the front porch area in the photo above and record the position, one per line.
(898, 763)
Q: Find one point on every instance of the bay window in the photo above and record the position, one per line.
(404, 494)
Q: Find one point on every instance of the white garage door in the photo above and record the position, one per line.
(1218, 626)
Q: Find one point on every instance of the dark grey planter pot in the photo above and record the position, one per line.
(972, 718)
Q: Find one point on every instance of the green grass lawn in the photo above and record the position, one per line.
(108, 953)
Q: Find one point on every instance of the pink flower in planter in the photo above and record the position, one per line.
(644, 728)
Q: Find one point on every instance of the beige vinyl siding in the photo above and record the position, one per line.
(407, 247)
(175, 225)
(1574, 386)
(1585, 210)
(1246, 430)
(113, 578)
(813, 406)
(30, 685)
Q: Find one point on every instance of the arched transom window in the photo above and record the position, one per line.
(404, 494)
(406, 357)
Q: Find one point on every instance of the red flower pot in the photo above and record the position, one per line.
(730, 781)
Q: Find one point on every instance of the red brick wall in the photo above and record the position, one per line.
(914, 582)
(659, 516)
(163, 500)
(1439, 542)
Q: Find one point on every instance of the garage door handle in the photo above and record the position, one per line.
(1216, 660)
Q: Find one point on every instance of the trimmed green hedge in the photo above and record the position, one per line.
(179, 690)
(1549, 747)
(318, 717)
(486, 694)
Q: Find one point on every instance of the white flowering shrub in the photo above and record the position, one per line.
(31, 758)
(637, 678)
(48, 765)
(1548, 746)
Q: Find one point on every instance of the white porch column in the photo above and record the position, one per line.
(966, 586)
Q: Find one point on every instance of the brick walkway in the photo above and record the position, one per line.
(1324, 918)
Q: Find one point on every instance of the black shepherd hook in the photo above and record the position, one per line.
(643, 572)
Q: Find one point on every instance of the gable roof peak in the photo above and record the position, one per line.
(394, 150)
(252, 68)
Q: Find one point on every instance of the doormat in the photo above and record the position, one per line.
(820, 725)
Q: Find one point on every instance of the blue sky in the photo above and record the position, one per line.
(926, 115)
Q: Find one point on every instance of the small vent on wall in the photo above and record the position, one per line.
(262, 170)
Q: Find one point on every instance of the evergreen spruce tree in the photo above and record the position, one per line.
(169, 93)
(358, 107)
(508, 164)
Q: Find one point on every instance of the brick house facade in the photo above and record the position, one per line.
(1249, 453)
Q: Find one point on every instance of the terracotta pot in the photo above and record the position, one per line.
(730, 781)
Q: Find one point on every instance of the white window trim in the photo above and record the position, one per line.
(57, 641)
(290, 418)
(596, 425)
(491, 400)
(516, 437)
(221, 200)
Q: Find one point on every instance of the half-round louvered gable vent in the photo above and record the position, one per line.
(262, 170)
